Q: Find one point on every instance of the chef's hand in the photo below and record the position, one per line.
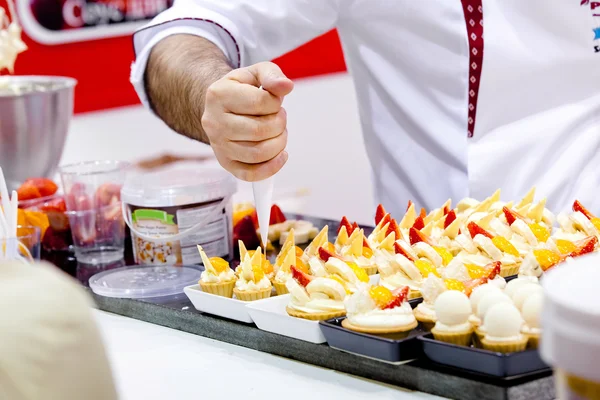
(246, 125)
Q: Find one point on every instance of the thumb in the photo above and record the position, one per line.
(272, 79)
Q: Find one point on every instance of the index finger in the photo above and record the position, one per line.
(249, 100)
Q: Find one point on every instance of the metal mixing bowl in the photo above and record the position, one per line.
(35, 112)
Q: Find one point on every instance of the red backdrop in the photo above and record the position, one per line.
(102, 66)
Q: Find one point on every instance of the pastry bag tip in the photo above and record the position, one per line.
(263, 197)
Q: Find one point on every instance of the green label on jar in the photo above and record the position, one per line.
(156, 215)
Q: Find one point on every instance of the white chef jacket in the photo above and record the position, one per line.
(456, 98)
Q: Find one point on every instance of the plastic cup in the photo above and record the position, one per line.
(93, 201)
(28, 244)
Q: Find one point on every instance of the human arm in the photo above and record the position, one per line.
(188, 70)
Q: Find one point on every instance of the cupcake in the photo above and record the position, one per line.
(217, 278)
(252, 283)
(503, 323)
(531, 311)
(315, 298)
(452, 309)
(379, 311)
(425, 311)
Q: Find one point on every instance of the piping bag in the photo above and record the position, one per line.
(263, 197)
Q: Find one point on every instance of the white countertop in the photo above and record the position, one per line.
(154, 362)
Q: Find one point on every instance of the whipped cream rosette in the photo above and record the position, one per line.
(315, 298)
(217, 278)
(377, 310)
(252, 283)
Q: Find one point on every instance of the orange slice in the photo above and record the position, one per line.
(425, 267)
(382, 296)
(505, 246)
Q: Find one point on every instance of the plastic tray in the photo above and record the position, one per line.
(270, 315)
(218, 305)
(372, 346)
(482, 361)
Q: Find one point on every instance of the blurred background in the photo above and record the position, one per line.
(328, 173)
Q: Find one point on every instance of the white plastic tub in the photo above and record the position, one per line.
(172, 210)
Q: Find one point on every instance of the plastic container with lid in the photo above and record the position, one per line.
(571, 327)
(172, 210)
(157, 284)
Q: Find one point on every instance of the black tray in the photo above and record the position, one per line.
(372, 346)
(482, 361)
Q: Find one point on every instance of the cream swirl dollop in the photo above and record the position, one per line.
(361, 310)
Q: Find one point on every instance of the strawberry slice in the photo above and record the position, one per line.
(472, 284)
(246, 232)
(354, 226)
(300, 277)
(325, 254)
(419, 223)
(277, 215)
(417, 236)
(447, 210)
(54, 205)
(410, 203)
(393, 227)
(399, 250)
(385, 220)
(366, 244)
(577, 206)
(28, 191)
(475, 230)
(400, 295)
(423, 213)
(494, 268)
(45, 186)
(347, 224)
(512, 216)
(450, 218)
(379, 214)
(584, 246)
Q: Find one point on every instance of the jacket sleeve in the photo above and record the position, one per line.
(247, 31)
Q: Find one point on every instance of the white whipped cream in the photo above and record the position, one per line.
(453, 328)
(210, 277)
(390, 318)
(249, 285)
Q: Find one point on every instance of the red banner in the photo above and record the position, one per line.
(91, 42)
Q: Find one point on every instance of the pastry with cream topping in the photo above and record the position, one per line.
(432, 287)
(217, 278)
(352, 245)
(286, 258)
(503, 323)
(315, 298)
(452, 310)
(252, 283)
(531, 311)
(379, 311)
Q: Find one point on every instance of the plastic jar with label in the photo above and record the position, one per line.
(571, 327)
(172, 210)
